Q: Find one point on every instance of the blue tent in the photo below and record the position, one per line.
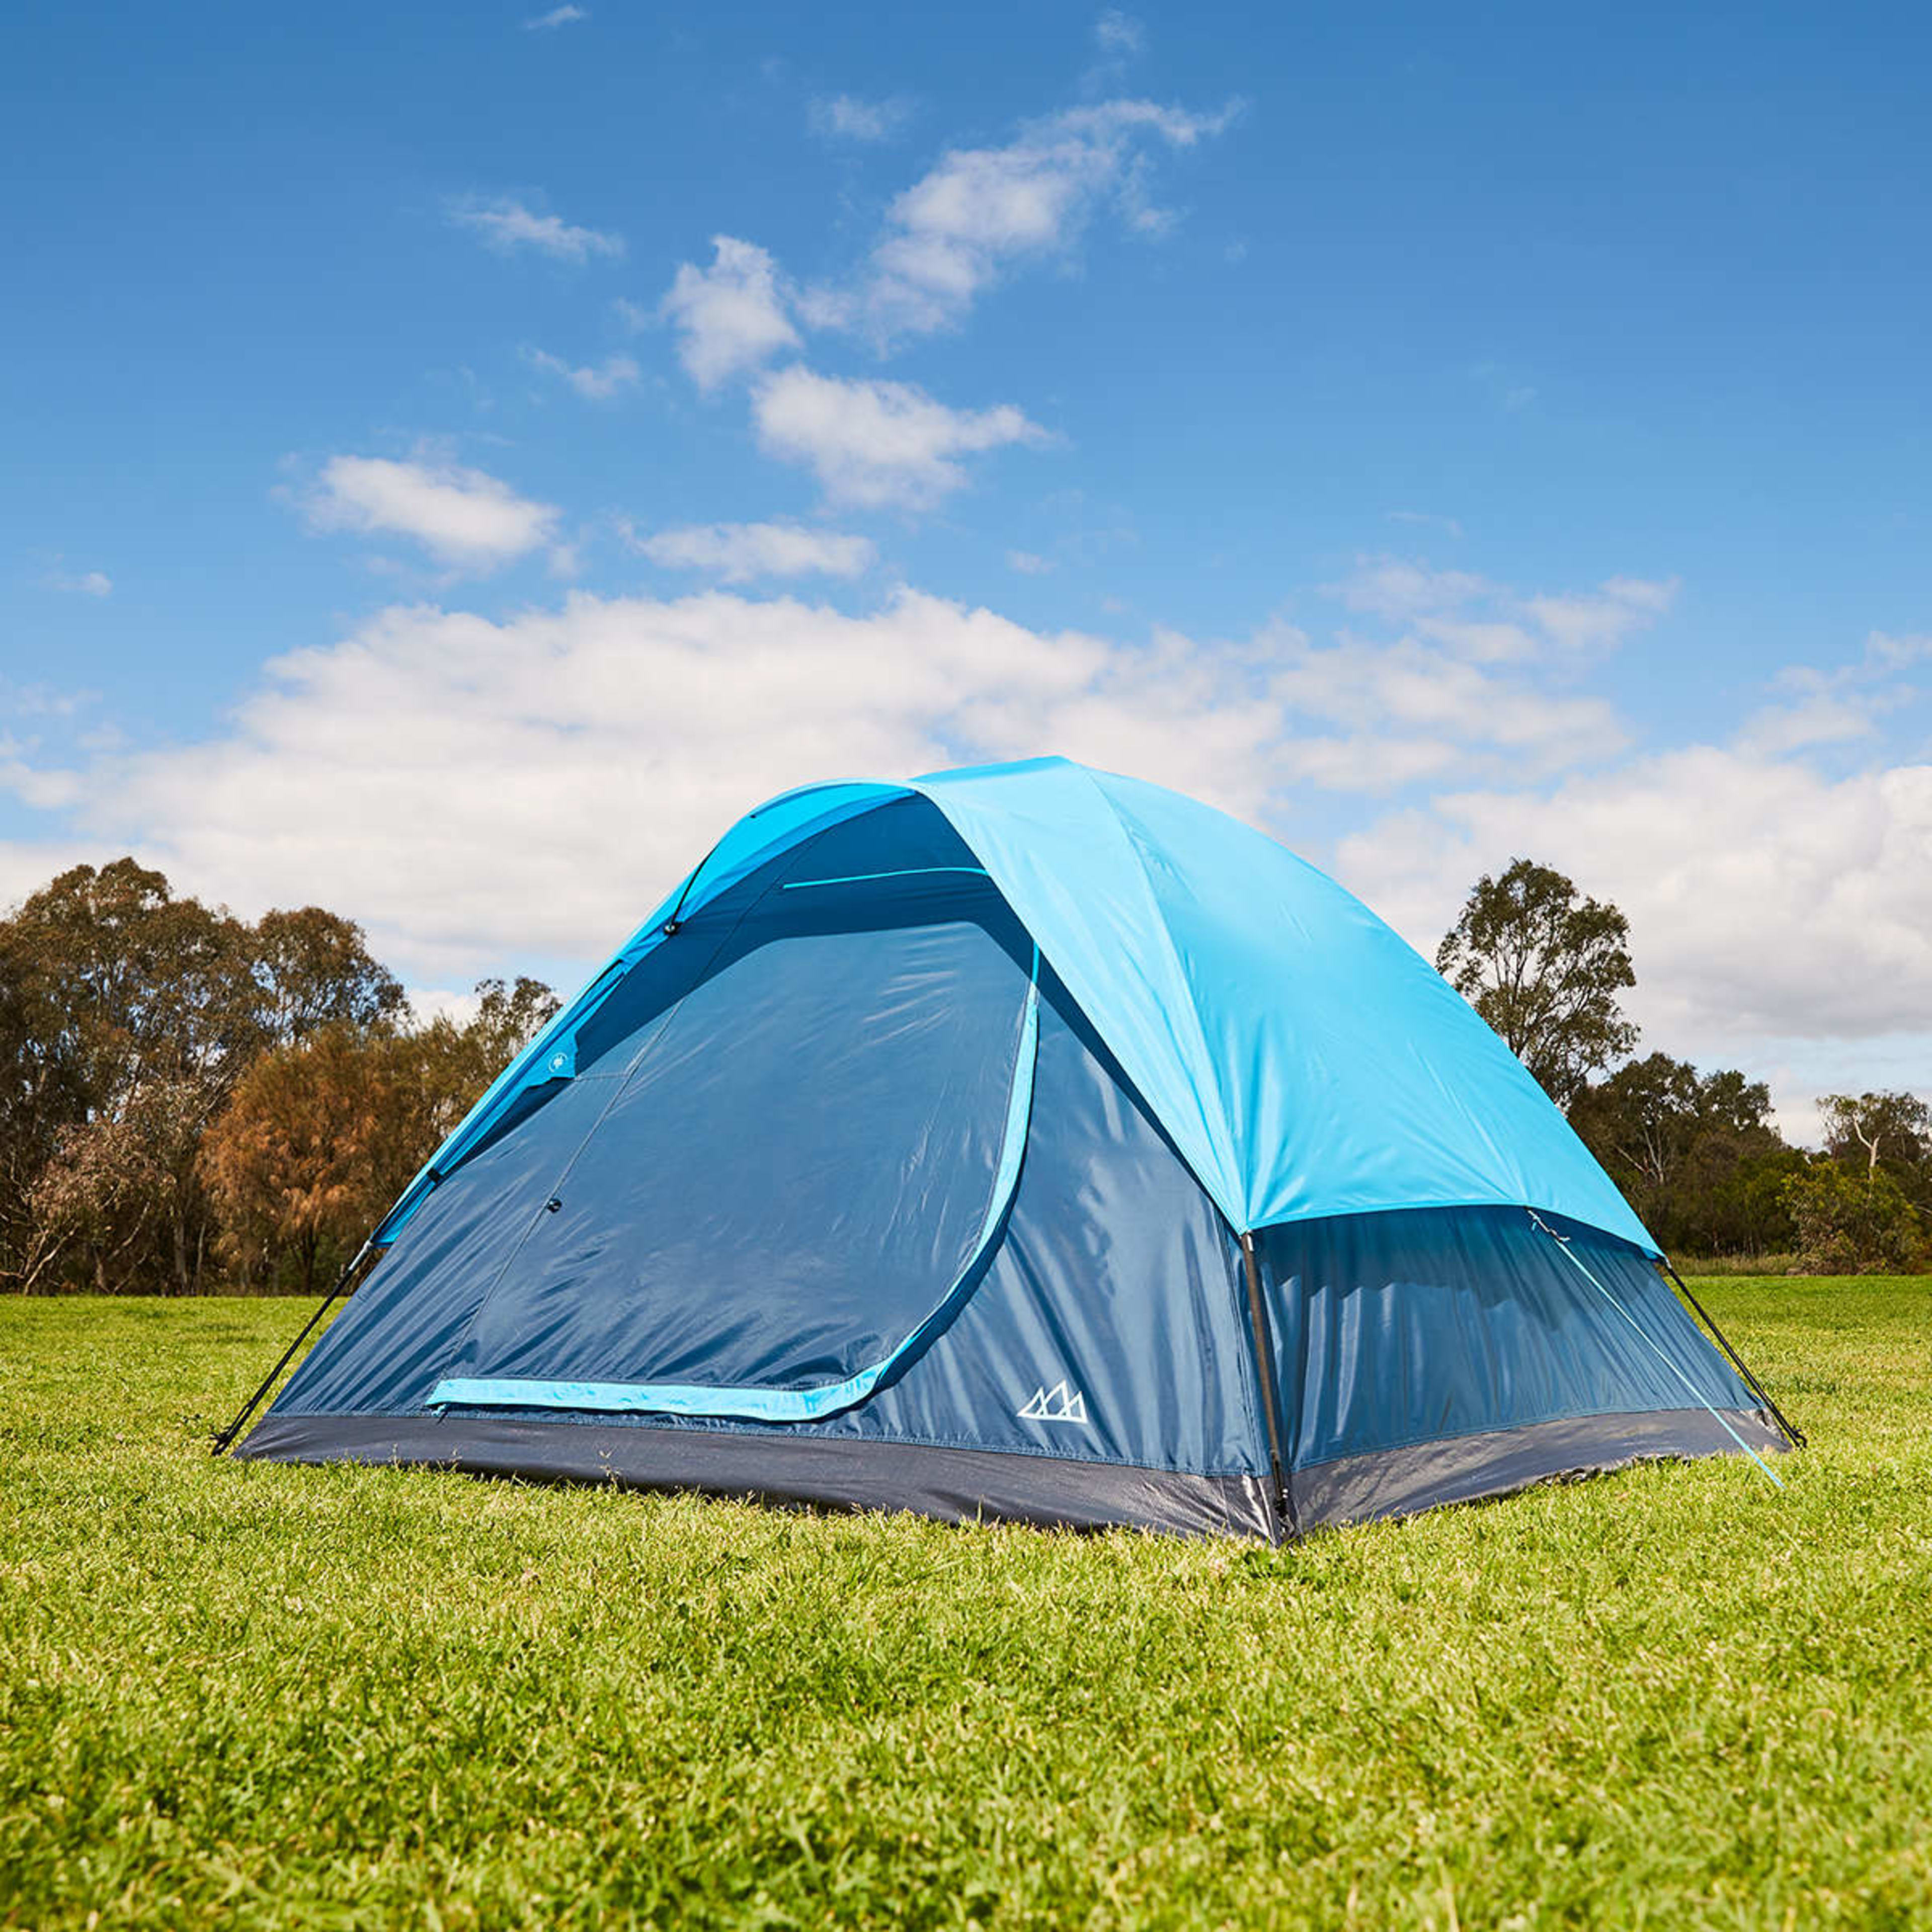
(1024, 1142)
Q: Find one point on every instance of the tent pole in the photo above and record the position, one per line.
(1757, 1388)
(248, 1407)
(1265, 1366)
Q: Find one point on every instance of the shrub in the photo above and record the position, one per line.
(1851, 1224)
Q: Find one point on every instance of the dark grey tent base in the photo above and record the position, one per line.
(979, 1485)
(1464, 1469)
(954, 1485)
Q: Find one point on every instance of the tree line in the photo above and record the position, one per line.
(1696, 1154)
(191, 1103)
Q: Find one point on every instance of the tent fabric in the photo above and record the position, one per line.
(1397, 1332)
(906, 1156)
(787, 820)
(684, 1168)
(1306, 1061)
(1112, 1274)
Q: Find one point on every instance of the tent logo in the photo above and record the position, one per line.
(1057, 1404)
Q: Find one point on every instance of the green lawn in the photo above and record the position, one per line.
(251, 1696)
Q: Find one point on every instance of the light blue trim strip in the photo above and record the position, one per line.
(810, 1405)
(658, 1398)
(863, 878)
(1563, 1243)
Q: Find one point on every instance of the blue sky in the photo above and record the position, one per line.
(458, 456)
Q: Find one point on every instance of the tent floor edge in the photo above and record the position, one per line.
(834, 1473)
(1492, 1463)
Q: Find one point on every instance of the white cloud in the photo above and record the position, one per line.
(41, 787)
(740, 552)
(731, 317)
(483, 794)
(950, 234)
(845, 117)
(26, 865)
(556, 769)
(1886, 653)
(465, 518)
(1403, 591)
(1604, 617)
(547, 775)
(1410, 710)
(1487, 621)
(877, 443)
(80, 583)
(557, 17)
(1819, 719)
(1764, 898)
(1115, 32)
(1029, 563)
(596, 383)
(1836, 706)
(43, 700)
(1448, 526)
(428, 1004)
(507, 224)
(947, 237)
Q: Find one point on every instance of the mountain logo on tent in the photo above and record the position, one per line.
(1057, 1404)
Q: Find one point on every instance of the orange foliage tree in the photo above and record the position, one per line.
(318, 1138)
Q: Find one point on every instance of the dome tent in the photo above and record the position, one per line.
(1028, 1142)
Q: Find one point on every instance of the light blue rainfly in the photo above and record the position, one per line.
(1306, 1061)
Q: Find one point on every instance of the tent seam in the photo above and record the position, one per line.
(1218, 1134)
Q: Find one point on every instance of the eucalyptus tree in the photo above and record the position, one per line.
(1545, 967)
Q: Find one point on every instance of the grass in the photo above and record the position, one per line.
(248, 1695)
(1754, 1264)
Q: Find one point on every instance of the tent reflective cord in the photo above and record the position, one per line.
(1563, 1244)
(866, 878)
(809, 1404)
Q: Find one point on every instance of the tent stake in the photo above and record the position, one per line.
(1757, 1388)
(249, 1407)
(1264, 1365)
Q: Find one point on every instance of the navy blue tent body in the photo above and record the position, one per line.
(922, 1155)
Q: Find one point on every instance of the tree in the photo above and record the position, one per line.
(40, 1095)
(1640, 1122)
(1544, 968)
(117, 1203)
(1851, 1224)
(147, 1003)
(508, 1017)
(324, 1131)
(1889, 1131)
(455, 1064)
(1697, 1153)
(127, 1014)
(321, 1135)
(313, 969)
(1743, 1209)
